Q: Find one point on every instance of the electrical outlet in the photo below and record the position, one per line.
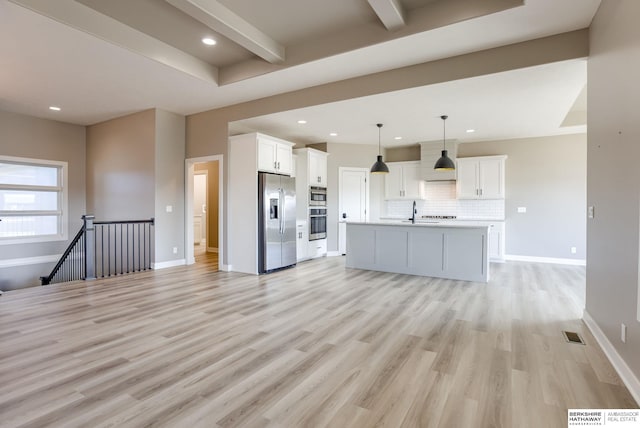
(591, 212)
(574, 250)
(175, 250)
(623, 333)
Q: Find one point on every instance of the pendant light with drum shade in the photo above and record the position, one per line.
(379, 167)
(444, 163)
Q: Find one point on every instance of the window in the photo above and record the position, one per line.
(33, 200)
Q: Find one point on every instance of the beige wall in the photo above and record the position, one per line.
(30, 137)
(213, 189)
(401, 154)
(120, 167)
(613, 179)
(135, 169)
(207, 132)
(547, 176)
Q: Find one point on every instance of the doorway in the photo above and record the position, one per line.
(200, 205)
(353, 200)
(204, 216)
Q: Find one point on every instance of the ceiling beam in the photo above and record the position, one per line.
(390, 13)
(222, 20)
(83, 18)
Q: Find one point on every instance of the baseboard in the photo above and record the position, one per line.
(191, 260)
(628, 377)
(212, 250)
(333, 253)
(168, 264)
(25, 261)
(224, 268)
(533, 259)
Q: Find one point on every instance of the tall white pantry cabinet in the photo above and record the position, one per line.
(248, 154)
(311, 170)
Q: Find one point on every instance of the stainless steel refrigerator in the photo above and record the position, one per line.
(276, 222)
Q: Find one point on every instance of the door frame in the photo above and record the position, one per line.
(367, 200)
(189, 172)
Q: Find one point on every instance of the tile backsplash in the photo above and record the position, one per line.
(441, 200)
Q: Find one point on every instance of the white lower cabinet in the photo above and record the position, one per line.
(496, 241)
(317, 248)
(302, 240)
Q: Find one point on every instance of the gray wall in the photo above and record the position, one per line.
(547, 175)
(613, 175)
(120, 167)
(169, 185)
(26, 136)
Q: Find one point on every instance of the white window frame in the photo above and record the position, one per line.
(63, 202)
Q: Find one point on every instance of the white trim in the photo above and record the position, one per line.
(25, 261)
(333, 253)
(62, 190)
(225, 268)
(170, 263)
(628, 377)
(212, 250)
(574, 262)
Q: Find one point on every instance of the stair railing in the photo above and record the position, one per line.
(105, 248)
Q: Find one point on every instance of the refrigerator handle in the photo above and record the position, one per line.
(282, 214)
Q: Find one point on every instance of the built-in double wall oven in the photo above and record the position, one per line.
(317, 213)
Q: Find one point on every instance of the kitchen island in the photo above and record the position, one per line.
(428, 249)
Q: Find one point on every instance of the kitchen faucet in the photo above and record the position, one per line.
(413, 213)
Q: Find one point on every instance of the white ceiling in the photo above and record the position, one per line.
(96, 69)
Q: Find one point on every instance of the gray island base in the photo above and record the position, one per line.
(443, 251)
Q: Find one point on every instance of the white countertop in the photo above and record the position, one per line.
(424, 223)
(396, 219)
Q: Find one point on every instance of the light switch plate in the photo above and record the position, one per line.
(169, 208)
(591, 212)
(522, 210)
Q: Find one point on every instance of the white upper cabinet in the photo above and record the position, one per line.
(404, 181)
(274, 155)
(481, 177)
(312, 166)
(317, 168)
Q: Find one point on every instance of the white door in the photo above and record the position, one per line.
(199, 208)
(353, 200)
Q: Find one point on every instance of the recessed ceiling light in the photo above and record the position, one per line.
(54, 108)
(302, 122)
(398, 138)
(208, 41)
(469, 131)
(334, 134)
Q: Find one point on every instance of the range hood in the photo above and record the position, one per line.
(430, 152)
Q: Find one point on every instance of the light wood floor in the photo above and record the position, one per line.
(314, 346)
